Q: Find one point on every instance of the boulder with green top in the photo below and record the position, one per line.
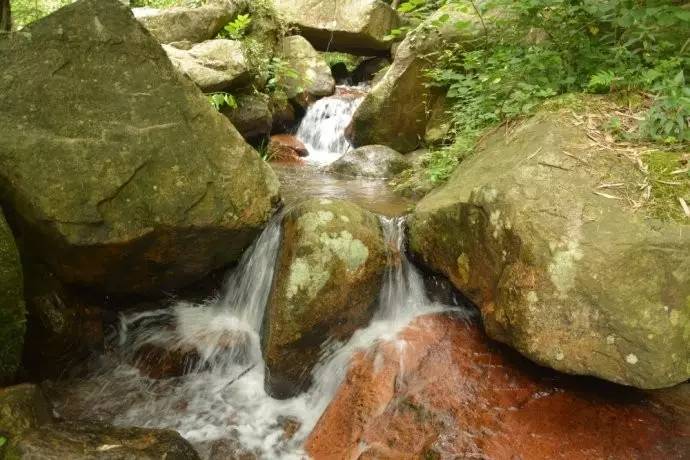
(12, 310)
(328, 275)
(312, 75)
(375, 161)
(562, 268)
(351, 26)
(194, 24)
(134, 183)
(396, 110)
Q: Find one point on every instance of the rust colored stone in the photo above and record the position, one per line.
(285, 148)
(445, 391)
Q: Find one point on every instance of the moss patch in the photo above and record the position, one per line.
(350, 61)
(669, 177)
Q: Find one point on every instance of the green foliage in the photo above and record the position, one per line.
(532, 50)
(27, 11)
(281, 74)
(669, 178)
(236, 29)
(333, 57)
(221, 100)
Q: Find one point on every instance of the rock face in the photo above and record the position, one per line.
(134, 183)
(450, 393)
(351, 26)
(12, 311)
(394, 113)
(329, 271)
(181, 23)
(314, 74)
(571, 278)
(94, 440)
(371, 161)
(214, 65)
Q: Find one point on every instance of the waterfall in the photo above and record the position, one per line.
(323, 128)
(221, 396)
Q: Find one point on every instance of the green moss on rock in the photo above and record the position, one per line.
(328, 276)
(12, 310)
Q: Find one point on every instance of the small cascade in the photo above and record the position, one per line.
(221, 397)
(323, 128)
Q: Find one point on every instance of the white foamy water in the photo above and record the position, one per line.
(222, 397)
(322, 129)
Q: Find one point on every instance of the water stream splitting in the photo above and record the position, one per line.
(222, 396)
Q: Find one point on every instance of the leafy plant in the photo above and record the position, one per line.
(3, 441)
(237, 28)
(281, 75)
(221, 100)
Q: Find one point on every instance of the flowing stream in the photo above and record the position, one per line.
(219, 402)
(323, 128)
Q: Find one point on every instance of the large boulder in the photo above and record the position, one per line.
(214, 65)
(441, 390)
(133, 183)
(313, 75)
(12, 311)
(376, 161)
(328, 275)
(186, 23)
(395, 112)
(351, 26)
(90, 440)
(562, 269)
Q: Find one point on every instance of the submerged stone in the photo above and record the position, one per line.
(328, 275)
(133, 183)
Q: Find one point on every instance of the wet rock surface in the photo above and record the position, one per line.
(572, 279)
(134, 183)
(443, 390)
(328, 275)
(89, 440)
(375, 161)
(286, 148)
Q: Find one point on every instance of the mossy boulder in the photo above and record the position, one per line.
(133, 183)
(375, 161)
(396, 110)
(22, 408)
(563, 269)
(252, 117)
(90, 440)
(313, 75)
(328, 276)
(12, 310)
(350, 26)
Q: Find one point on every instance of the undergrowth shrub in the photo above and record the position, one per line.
(536, 49)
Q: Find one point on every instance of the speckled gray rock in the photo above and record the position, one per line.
(376, 161)
(134, 183)
(214, 65)
(572, 279)
(314, 75)
(351, 26)
(185, 23)
(252, 117)
(329, 270)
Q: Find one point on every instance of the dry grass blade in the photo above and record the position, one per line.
(684, 205)
(606, 195)
(617, 184)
